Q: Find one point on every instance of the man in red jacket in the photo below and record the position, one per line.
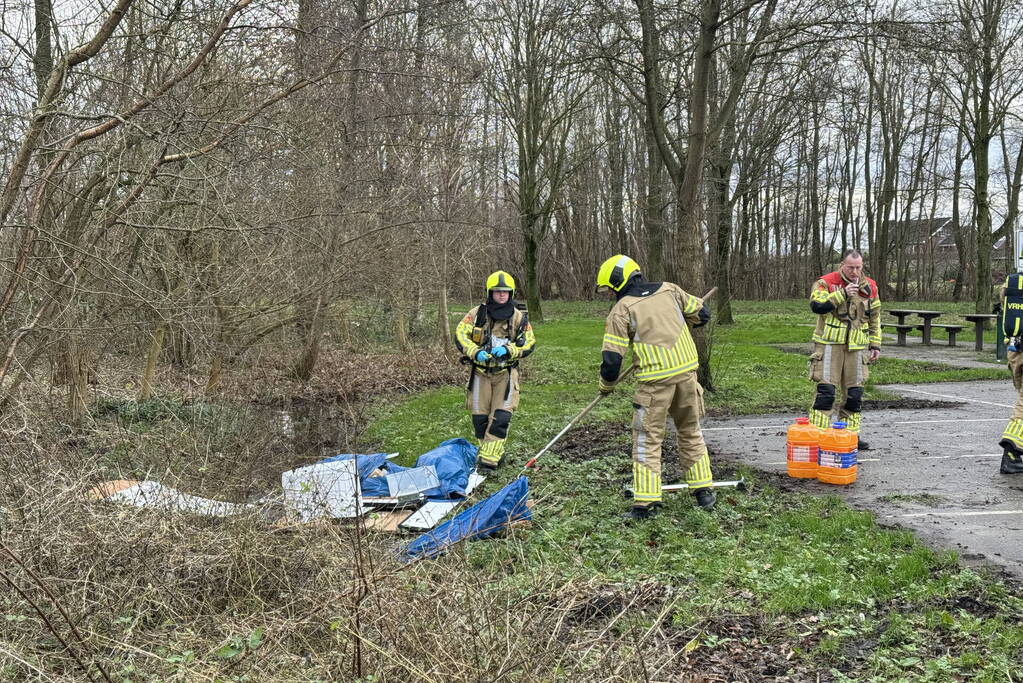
(848, 324)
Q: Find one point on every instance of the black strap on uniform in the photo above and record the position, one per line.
(1012, 308)
(481, 321)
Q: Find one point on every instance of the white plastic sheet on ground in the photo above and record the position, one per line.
(152, 494)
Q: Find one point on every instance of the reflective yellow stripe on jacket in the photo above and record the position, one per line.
(657, 329)
(831, 329)
(657, 362)
(463, 338)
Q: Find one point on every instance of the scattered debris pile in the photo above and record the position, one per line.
(390, 497)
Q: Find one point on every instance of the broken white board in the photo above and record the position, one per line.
(152, 494)
(430, 514)
(412, 482)
(325, 489)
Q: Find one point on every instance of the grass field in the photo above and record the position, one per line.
(798, 576)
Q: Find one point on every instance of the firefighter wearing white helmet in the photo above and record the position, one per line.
(654, 320)
(493, 338)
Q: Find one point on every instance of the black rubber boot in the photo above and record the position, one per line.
(863, 445)
(1012, 459)
(486, 468)
(1011, 463)
(705, 498)
(641, 512)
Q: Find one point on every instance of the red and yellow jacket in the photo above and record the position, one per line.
(840, 320)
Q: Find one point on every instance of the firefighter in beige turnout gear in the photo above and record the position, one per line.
(653, 319)
(848, 323)
(493, 338)
(1012, 327)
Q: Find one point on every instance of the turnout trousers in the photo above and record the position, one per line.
(839, 374)
(1013, 434)
(491, 399)
(681, 399)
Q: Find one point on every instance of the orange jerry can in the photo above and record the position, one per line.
(836, 462)
(801, 449)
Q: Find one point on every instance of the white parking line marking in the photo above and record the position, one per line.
(956, 398)
(977, 513)
(925, 457)
(977, 419)
(783, 462)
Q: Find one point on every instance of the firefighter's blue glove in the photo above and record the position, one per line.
(482, 356)
(500, 352)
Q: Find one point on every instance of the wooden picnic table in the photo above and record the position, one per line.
(928, 316)
(978, 320)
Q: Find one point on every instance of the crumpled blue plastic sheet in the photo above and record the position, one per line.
(485, 518)
(454, 460)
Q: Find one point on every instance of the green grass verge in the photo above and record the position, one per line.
(855, 600)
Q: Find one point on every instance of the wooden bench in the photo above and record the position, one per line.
(952, 330)
(901, 330)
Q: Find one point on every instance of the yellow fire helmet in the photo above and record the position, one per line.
(615, 272)
(501, 282)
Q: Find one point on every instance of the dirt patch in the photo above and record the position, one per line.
(908, 404)
(613, 440)
(594, 441)
(603, 602)
(736, 647)
(973, 606)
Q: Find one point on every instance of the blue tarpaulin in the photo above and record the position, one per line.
(483, 519)
(453, 460)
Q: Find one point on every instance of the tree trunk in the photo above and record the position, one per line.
(532, 281)
(720, 220)
(654, 207)
(443, 323)
(42, 58)
(691, 266)
(77, 379)
(982, 207)
(303, 368)
(149, 371)
(958, 234)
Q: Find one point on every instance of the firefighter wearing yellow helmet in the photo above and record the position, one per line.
(493, 338)
(654, 319)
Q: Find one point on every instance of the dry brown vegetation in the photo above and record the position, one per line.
(98, 591)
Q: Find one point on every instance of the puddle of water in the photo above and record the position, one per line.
(314, 430)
